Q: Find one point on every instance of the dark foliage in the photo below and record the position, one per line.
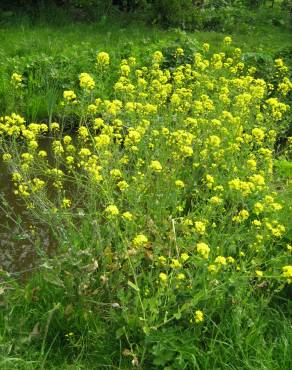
(191, 14)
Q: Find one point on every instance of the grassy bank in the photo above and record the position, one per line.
(51, 57)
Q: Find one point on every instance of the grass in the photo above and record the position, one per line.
(111, 297)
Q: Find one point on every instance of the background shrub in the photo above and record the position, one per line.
(191, 14)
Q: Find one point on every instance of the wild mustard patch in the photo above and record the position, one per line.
(174, 176)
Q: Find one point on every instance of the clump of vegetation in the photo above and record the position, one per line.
(200, 14)
(174, 242)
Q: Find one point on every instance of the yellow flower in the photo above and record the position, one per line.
(258, 208)
(69, 160)
(66, 203)
(214, 140)
(175, 263)
(132, 61)
(181, 276)
(259, 273)
(163, 277)
(127, 216)
(179, 52)
(198, 316)
(92, 109)
(206, 46)
(258, 134)
(86, 81)
(83, 132)
(180, 184)
(116, 173)
(257, 223)
(162, 260)
(84, 152)
(32, 144)
(215, 200)
(55, 126)
(237, 52)
(122, 185)
(16, 177)
(6, 157)
(203, 249)
(157, 57)
(112, 210)
(220, 260)
(212, 268)
(241, 216)
(140, 240)
(187, 151)
(209, 181)
(71, 148)
(125, 70)
(16, 80)
(67, 139)
(200, 227)
(23, 191)
(102, 140)
(230, 260)
(227, 40)
(184, 257)
(57, 147)
(27, 157)
(287, 273)
(69, 95)
(257, 180)
(155, 166)
(103, 59)
(251, 164)
(98, 123)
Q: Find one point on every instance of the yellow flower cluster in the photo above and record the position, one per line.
(103, 59)
(287, 273)
(198, 317)
(112, 210)
(69, 95)
(17, 80)
(140, 240)
(155, 166)
(86, 81)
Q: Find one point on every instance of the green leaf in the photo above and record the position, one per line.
(134, 286)
(177, 315)
(120, 332)
(146, 330)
